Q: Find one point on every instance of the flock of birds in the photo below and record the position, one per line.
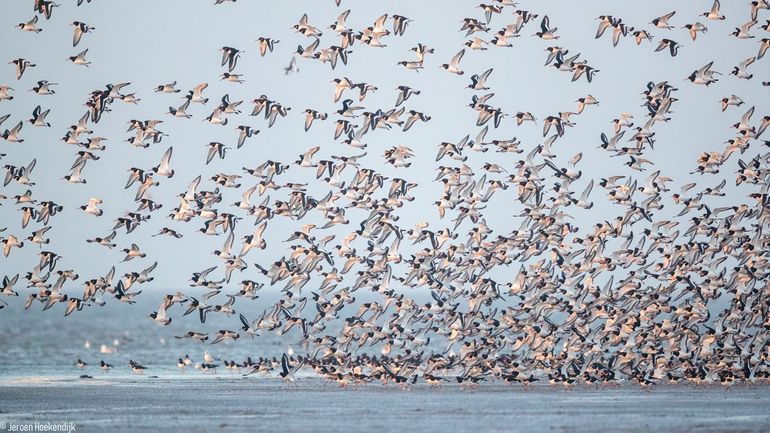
(633, 299)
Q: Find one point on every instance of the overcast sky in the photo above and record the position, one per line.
(148, 43)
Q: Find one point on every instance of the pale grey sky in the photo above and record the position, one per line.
(149, 43)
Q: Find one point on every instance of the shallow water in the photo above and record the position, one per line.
(255, 404)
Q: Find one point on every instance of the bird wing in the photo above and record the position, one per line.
(481, 135)
(260, 230)
(285, 366)
(228, 244)
(746, 118)
(705, 68)
(342, 17)
(485, 75)
(380, 23)
(166, 160)
(715, 7)
(212, 152)
(747, 62)
(587, 191)
(456, 59)
(312, 47)
(76, 36)
(31, 166)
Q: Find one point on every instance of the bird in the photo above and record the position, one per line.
(704, 75)
(266, 44)
(641, 35)
(731, 100)
(160, 315)
(414, 116)
(454, 64)
(288, 371)
(21, 66)
(404, 93)
(694, 29)
(45, 7)
(38, 117)
(136, 367)
(216, 148)
(132, 253)
(230, 57)
(546, 32)
(225, 335)
(181, 111)
(742, 32)
(478, 82)
(713, 13)
(104, 241)
(81, 28)
(292, 67)
(80, 58)
(672, 46)
(91, 207)
(43, 88)
(662, 21)
(400, 24)
(12, 135)
(164, 167)
(30, 26)
(312, 115)
(765, 44)
(306, 29)
(170, 88)
(740, 71)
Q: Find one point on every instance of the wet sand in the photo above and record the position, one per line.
(231, 404)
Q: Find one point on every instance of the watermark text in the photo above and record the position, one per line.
(38, 426)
